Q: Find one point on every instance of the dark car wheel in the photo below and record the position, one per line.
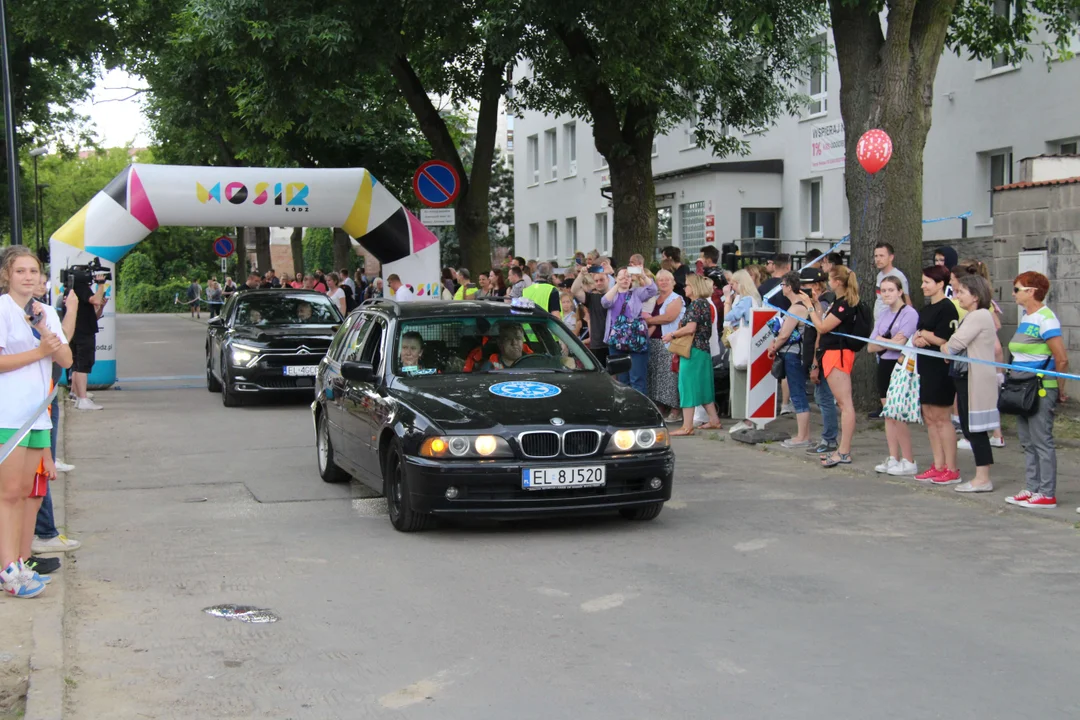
(229, 397)
(398, 500)
(642, 513)
(324, 450)
(212, 383)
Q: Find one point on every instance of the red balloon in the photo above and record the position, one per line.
(874, 150)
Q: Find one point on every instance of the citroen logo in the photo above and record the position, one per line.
(558, 422)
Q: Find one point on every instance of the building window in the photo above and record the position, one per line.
(534, 241)
(601, 233)
(655, 149)
(1000, 173)
(690, 133)
(817, 82)
(599, 161)
(571, 236)
(692, 228)
(1002, 9)
(1068, 148)
(552, 239)
(551, 154)
(812, 206)
(570, 140)
(532, 159)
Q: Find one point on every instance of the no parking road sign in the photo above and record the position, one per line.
(436, 184)
(224, 246)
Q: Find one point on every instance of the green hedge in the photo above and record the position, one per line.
(153, 297)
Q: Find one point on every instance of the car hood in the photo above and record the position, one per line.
(460, 403)
(252, 333)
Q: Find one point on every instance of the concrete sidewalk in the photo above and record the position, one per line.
(869, 448)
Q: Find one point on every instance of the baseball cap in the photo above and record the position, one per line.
(812, 275)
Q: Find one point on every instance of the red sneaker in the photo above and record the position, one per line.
(947, 477)
(1038, 500)
(929, 475)
(1018, 498)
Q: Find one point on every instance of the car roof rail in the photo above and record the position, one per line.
(383, 301)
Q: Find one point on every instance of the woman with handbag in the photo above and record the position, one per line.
(1038, 345)
(895, 325)
(626, 332)
(695, 372)
(664, 318)
(937, 322)
(837, 360)
(976, 384)
(740, 297)
(786, 349)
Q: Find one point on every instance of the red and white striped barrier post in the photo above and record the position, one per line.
(760, 383)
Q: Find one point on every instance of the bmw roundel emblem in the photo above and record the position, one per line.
(558, 422)
(523, 390)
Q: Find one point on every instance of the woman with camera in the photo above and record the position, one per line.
(896, 324)
(31, 339)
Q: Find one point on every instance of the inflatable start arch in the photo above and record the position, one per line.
(142, 198)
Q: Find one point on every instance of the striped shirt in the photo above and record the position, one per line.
(1029, 345)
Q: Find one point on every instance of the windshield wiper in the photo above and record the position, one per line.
(522, 371)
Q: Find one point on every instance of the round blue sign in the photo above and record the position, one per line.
(436, 184)
(523, 390)
(224, 246)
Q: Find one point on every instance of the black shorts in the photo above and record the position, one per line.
(936, 388)
(884, 374)
(82, 353)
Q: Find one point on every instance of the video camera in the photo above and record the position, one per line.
(85, 274)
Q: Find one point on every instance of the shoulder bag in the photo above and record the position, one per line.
(1021, 392)
(682, 346)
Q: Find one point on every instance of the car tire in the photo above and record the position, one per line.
(228, 397)
(398, 501)
(324, 453)
(642, 512)
(212, 383)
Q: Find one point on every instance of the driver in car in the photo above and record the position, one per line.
(512, 349)
(255, 318)
(412, 349)
(303, 312)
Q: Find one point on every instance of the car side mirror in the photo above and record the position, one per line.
(359, 372)
(618, 365)
(216, 321)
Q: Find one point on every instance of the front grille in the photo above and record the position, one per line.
(577, 443)
(540, 444)
(278, 361)
(508, 491)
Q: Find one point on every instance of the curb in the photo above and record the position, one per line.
(45, 693)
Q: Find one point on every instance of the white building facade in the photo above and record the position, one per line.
(986, 117)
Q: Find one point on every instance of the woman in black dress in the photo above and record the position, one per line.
(937, 322)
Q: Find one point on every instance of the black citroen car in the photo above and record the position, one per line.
(268, 341)
(475, 408)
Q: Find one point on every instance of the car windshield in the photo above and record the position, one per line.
(448, 346)
(286, 309)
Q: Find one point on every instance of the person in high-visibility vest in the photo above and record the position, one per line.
(542, 292)
(466, 289)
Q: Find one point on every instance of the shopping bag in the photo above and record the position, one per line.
(740, 347)
(902, 398)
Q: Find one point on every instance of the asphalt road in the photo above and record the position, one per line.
(768, 588)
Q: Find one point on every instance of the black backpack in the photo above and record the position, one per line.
(862, 325)
(350, 301)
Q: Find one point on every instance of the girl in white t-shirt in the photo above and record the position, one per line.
(336, 293)
(27, 353)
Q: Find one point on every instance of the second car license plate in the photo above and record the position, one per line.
(562, 477)
(301, 370)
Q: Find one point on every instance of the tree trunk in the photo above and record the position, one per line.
(342, 249)
(241, 257)
(296, 241)
(262, 249)
(887, 82)
(634, 201)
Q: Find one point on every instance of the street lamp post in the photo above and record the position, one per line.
(35, 154)
(9, 133)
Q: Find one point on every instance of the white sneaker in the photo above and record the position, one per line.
(12, 583)
(62, 466)
(86, 404)
(997, 441)
(963, 444)
(787, 409)
(73, 398)
(889, 464)
(58, 544)
(742, 425)
(903, 468)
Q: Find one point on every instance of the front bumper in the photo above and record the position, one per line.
(493, 488)
(255, 379)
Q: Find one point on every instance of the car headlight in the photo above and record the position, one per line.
(243, 355)
(465, 446)
(640, 439)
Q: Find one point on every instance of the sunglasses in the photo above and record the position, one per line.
(1018, 288)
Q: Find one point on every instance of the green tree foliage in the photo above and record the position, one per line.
(639, 68)
(887, 55)
(319, 249)
(501, 216)
(137, 268)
